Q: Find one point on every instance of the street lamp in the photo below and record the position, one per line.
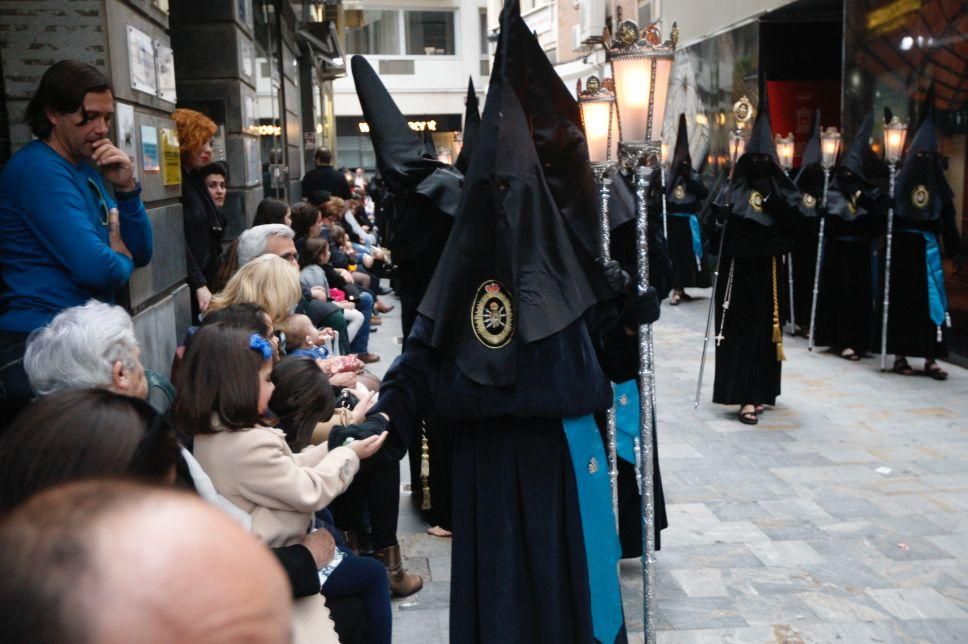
(641, 65)
(894, 134)
(829, 147)
(784, 151)
(596, 105)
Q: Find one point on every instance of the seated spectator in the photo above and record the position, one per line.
(301, 401)
(75, 352)
(268, 281)
(226, 387)
(87, 346)
(307, 222)
(64, 239)
(303, 339)
(313, 259)
(81, 434)
(272, 211)
(110, 561)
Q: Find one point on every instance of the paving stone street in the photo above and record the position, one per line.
(841, 517)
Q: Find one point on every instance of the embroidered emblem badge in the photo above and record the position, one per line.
(492, 316)
(679, 192)
(756, 200)
(920, 197)
(592, 465)
(809, 200)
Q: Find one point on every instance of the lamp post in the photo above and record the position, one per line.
(829, 147)
(784, 152)
(597, 107)
(641, 65)
(894, 134)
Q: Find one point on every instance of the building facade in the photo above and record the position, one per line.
(425, 55)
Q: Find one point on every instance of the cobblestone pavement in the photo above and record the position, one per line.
(842, 516)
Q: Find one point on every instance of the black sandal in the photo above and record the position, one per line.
(902, 367)
(933, 370)
(850, 354)
(748, 417)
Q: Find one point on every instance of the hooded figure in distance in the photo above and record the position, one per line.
(760, 223)
(685, 194)
(924, 216)
(506, 348)
(803, 256)
(856, 218)
(424, 194)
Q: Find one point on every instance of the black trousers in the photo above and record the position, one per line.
(15, 390)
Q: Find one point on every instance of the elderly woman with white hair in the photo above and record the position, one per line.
(86, 346)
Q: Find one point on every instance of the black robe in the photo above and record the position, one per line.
(804, 255)
(747, 369)
(846, 300)
(910, 330)
(519, 567)
(688, 272)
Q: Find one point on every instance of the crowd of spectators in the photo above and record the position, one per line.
(265, 416)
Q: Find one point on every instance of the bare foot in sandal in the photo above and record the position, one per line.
(437, 531)
(747, 415)
(902, 367)
(932, 369)
(849, 354)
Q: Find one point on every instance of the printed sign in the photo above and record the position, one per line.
(124, 117)
(170, 157)
(141, 62)
(165, 62)
(149, 149)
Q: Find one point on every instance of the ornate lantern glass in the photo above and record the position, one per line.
(641, 67)
(597, 106)
(894, 134)
(784, 151)
(829, 147)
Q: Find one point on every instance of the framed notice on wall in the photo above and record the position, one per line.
(141, 62)
(170, 158)
(149, 149)
(124, 118)
(165, 63)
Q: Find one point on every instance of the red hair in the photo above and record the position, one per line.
(194, 130)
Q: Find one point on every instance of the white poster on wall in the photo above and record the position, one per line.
(165, 62)
(247, 58)
(141, 62)
(253, 162)
(124, 117)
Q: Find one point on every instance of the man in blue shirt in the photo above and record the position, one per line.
(64, 239)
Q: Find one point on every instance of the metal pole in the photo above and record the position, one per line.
(610, 428)
(793, 318)
(646, 408)
(709, 315)
(816, 272)
(665, 213)
(887, 268)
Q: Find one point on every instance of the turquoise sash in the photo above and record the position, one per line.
(602, 548)
(937, 297)
(694, 229)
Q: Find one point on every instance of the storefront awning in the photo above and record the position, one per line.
(321, 41)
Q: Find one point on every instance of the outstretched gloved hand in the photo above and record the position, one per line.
(643, 308)
(617, 278)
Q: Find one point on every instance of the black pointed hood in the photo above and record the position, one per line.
(809, 179)
(511, 274)
(849, 187)
(402, 159)
(922, 189)
(472, 126)
(758, 165)
(684, 190)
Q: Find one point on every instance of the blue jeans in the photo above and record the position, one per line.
(366, 578)
(361, 342)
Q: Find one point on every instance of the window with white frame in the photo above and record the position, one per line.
(390, 32)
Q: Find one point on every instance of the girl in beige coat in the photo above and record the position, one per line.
(225, 392)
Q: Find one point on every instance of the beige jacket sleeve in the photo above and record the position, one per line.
(274, 478)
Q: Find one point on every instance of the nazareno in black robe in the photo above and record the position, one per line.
(747, 368)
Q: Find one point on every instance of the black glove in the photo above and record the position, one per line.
(643, 308)
(617, 279)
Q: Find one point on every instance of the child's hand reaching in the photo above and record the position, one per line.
(359, 412)
(367, 447)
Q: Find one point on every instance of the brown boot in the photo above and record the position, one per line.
(402, 583)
